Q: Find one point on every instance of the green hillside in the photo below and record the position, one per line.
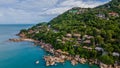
(92, 33)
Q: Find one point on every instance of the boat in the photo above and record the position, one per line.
(37, 62)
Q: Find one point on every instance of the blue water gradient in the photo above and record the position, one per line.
(24, 54)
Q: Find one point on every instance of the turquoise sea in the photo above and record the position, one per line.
(24, 54)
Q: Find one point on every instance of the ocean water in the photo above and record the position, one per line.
(24, 54)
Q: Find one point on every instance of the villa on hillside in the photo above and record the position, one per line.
(87, 41)
(77, 10)
(115, 54)
(101, 16)
(30, 31)
(76, 35)
(88, 36)
(99, 49)
(114, 14)
(68, 35)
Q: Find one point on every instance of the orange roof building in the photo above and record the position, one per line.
(114, 14)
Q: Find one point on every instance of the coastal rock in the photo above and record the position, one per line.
(60, 56)
(21, 39)
(91, 61)
(69, 58)
(74, 62)
(82, 60)
(21, 35)
(51, 60)
(102, 65)
(63, 56)
(15, 40)
(47, 63)
(52, 63)
(77, 57)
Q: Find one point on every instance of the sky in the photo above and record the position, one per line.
(35, 11)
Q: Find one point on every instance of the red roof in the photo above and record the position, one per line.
(113, 13)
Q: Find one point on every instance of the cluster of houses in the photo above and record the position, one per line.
(86, 40)
(104, 52)
(33, 31)
(111, 14)
(77, 10)
(101, 15)
(38, 29)
(114, 14)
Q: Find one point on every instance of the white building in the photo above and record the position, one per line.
(99, 49)
(115, 54)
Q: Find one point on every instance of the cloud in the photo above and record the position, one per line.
(73, 3)
(56, 11)
(4, 2)
(34, 11)
(17, 16)
(67, 4)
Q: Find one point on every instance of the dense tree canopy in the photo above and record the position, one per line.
(98, 27)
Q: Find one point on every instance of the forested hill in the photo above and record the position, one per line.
(114, 5)
(88, 32)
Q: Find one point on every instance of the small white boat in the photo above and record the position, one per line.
(37, 62)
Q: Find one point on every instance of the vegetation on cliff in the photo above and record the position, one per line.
(92, 33)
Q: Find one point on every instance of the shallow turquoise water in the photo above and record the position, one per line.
(24, 54)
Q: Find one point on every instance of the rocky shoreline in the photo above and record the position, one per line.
(21, 39)
(60, 57)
